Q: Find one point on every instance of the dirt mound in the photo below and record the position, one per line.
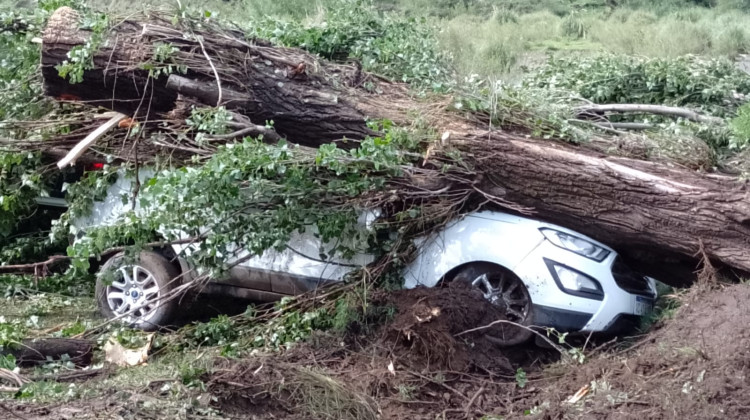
(431, 325)
(696, 366)
(417, 365)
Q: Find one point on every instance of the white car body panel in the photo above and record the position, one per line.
(478, 237)
(516, 243)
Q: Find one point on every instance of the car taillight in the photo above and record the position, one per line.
(96, 166)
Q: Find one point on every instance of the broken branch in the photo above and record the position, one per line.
(77, 151)
(650, 109)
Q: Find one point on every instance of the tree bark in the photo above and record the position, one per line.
(36, 352)
(310, 102)
(651, 213)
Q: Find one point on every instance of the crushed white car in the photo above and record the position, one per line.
(540, 274)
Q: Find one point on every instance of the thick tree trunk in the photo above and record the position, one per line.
(36, 352)
(309, 101)
(649, 212)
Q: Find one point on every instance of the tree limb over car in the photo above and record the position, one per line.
(651, 212)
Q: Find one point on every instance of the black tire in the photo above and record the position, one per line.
(157, 278)
(521, 313)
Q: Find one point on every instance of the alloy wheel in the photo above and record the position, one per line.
(135, 292)
(507, 292)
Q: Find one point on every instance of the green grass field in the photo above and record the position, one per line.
(501, 38)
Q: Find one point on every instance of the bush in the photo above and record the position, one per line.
(640, 17)
(741, 128)
(401, 48)
(691, 15)
(732, 40)
(573, 26)
(503, 15)
(713, 85)
(743, 5)
(499, 56)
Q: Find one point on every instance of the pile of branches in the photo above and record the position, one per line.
(149, 79)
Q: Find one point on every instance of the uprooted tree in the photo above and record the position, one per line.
(653, 213)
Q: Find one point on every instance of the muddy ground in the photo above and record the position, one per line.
(419, 366)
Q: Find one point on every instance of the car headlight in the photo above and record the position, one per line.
(574, 282)
(575, 244)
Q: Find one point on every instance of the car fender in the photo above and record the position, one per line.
(482, 237)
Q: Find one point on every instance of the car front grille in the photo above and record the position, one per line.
(630, 280)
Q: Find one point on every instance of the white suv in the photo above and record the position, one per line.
(540, 274)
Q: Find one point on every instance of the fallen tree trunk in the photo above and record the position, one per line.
(310, 102)
(646, 210)
(40, 351)
(649, 212)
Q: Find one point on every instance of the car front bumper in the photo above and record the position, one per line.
(566, 311)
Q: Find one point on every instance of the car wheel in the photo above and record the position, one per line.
(504, 289)
(136, 288)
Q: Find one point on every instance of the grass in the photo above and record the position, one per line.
(173, 373)
(668, 302)
(498, 47)
(327, 398)
(490, 47)
(502, 39)
(45, 311)
(238, 11)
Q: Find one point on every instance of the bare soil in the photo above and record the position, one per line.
(695, 366)
(418, 366)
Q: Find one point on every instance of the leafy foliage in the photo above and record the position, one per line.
(543, 112)
(74, 329)
(22, 178)
(521, 379)
(21, 184)
(8, 362)
(218, 331)
(11, 333)
(290, 328)
(741, 128)
(20, 89)
(257, 195)
(23, 224)
(130, 338)
(401, 48)
(208, 121)
(47, 391)
(162, 63)
(713, 85)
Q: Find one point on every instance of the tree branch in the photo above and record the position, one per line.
(34, 267)
(253, 131)
(40, 268)
(77, 151)
(651, 109)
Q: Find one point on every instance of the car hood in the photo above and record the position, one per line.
(531, 223)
